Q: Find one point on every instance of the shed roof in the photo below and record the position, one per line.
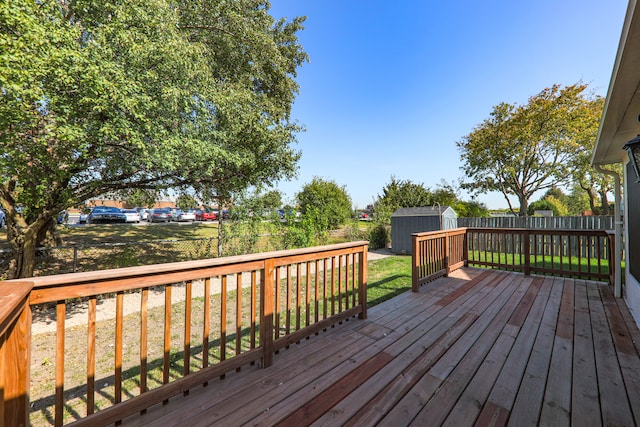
(423, 211)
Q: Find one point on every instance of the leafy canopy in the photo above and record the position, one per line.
(400, 194)
(111, 96)
(407, 194)
(521, 149)
(329, 203)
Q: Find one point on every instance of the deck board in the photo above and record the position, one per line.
(481, 347)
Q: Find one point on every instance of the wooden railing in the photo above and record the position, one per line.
(234, 312)
(15, 340)
(571, 253)
(436, 254)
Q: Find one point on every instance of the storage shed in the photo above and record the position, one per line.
(406, 221)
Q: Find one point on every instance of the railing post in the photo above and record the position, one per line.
(415, 258)
(527, 252)
(611, 237)
(362, 287)
(266, 312)
(15, 362)
(465, 248)
(447, 255)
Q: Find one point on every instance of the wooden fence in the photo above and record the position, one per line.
(541, 222)
(248, 308)
(572, 253)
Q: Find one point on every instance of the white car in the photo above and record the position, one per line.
(188, 215)
(132, 215)
(144, 214)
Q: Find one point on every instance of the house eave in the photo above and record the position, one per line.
(619, 121)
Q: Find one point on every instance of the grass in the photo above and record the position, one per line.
(128, 233)
(388, 277)
(565, 264)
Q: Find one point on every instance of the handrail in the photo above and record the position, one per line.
(572, 253)
(436, 254)
(15, 340)
(263, 303)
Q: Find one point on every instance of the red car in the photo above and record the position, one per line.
(205, 215)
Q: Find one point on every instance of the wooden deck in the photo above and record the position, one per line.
(481, 347)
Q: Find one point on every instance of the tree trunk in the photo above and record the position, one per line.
(48, 235)
(513, 211)
(23, 240)
(524, 206)
(592, 202)
(605, 203)
(23, 262)
(220, 235)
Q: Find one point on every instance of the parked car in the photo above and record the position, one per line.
(205, 215)
(63, 217)
(106, 214)
(159, 215)
(144, 214)
(188, 215)
(132, 215)
(3, 219)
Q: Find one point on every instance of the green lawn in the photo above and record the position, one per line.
(388, 277)
(564, 263)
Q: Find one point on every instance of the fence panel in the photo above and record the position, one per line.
(532, 222)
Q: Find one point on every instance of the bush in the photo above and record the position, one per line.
(379, 237)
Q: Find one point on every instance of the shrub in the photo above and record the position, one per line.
(379, 236)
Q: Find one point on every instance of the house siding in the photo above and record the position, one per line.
(632, 250)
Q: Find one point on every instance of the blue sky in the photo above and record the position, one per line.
(391, 86)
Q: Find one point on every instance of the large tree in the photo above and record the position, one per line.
(595, 184)
(522, 149)
(112, 96)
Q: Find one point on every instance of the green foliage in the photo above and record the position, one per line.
(558, 206)
(549, 203)
(400, 194)
(241, 234)
(379, 236)
(141, 197)
(471, 209)
(186, 201)
(272, 199)
(522, 149)
(553, 200)
(406, 194)
(326, 202)
(309, 230)
(446, 195)
(578, 201)
(355, 231)
(108, 97)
